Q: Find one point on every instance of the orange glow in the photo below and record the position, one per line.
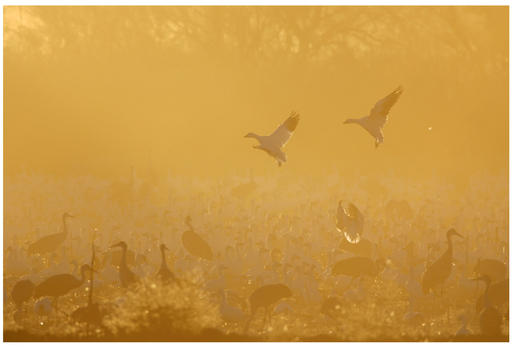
(84, 98)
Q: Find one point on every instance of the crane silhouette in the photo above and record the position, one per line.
(126, 276)
(440, 270)
(48, 244)
(490, 320)
(165, 273)
(21, 292)
(378, 116)
(356, 266)
(59, 285)
(265, 296)
(272, 144)
(194, 244)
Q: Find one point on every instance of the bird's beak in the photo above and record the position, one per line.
(458, 235)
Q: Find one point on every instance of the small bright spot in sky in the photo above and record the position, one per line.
(429, 128)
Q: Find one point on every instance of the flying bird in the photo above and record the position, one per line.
(378, 116)
(272, 144)
(350, 222)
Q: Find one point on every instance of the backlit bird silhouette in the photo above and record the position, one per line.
(165, 273)
(490, 320)
(356, 266)
(60, 285)
(194, 244)
(350, 222)
(498, 294)
(378, 116)
(440, 270)
(51, 242)
(265, 296)
(21, 292)
(126, 276)
(272, 144)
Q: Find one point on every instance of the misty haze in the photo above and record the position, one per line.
(256, 173)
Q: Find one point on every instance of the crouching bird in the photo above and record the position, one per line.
(264, 297)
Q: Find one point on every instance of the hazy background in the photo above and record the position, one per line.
(89, 90)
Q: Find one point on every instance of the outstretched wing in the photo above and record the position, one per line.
(350, 222)
(282, 134)
(381, 109)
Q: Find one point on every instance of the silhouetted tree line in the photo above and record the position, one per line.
(327, 36)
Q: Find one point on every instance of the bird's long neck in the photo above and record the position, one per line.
(164, 263)
(223, 297)
(352, 121)
(449, 246)
(82, 280)
(188, 223)
(64, 228)
(486, 299)
(123, 257)
(253, 135)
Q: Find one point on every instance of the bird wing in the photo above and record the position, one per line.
(282, 134)
(381, 109)
(354, 227)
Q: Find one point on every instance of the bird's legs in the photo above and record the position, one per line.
(265, 316)
(349, 286)
(56, 308)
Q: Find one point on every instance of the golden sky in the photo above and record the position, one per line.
(89, 90)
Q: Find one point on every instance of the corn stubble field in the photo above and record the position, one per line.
(292, 218)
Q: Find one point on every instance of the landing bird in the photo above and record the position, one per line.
(263, 297)
(378, 116)
(490, 320)
(126, 276)
(194, 244)
(51, 242)
(350, 222)
(272, 144)
(440, 270)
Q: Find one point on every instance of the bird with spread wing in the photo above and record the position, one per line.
(378, 117)
(350, 222)
(272, 144)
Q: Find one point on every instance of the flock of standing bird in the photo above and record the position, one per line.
(319, 259)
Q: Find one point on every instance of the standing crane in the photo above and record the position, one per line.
(194, 244)
(440, 270)
(378, 116)
(165, 273)
(51, 242)
(272, 144)
(21, 292)
(490, 320)
(126, 276)
(60, 284)
(265, 296)
(350, 222)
